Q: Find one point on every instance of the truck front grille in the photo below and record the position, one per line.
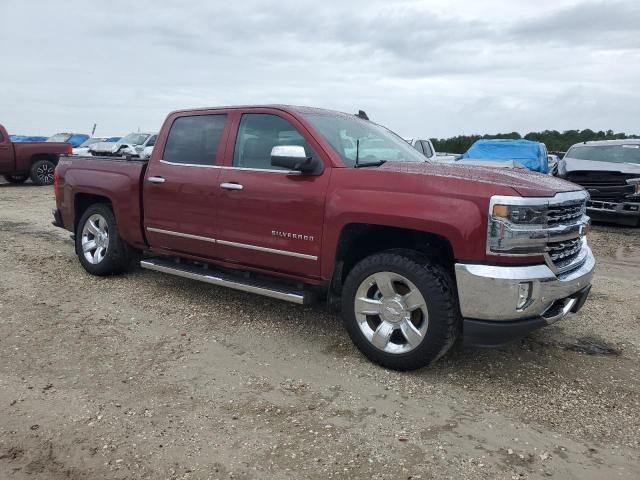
(565, 254)
(565, 214)
(603, 186)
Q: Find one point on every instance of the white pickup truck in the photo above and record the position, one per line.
(426, 148)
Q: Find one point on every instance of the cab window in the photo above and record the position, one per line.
(194, 140)
(258, 134)
(427, 148)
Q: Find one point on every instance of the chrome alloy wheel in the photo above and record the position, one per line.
(44, 172)
(95, 238)
(391, 312)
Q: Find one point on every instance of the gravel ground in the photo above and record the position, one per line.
(150, 376)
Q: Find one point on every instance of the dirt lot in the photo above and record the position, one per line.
(150, 376)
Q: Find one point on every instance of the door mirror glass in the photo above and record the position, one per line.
(293, 157)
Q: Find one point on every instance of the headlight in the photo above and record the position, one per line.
(636, 183)
(517, 226)
(521, 214)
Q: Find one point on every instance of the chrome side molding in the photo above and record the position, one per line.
(257, 248)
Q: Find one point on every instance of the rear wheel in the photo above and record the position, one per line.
(99, 247)
(16, 178)
(42, 172)
(400, 312)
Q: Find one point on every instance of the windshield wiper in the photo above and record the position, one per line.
(370, 164)
(358, 164)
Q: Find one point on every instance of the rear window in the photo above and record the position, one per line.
(427, 148)
(606, 153)
(195, 140)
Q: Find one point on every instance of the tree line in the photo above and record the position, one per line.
(553, 139)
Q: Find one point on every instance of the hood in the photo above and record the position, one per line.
(524, 182)
(573, 165)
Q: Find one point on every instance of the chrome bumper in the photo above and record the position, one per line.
(490, 293)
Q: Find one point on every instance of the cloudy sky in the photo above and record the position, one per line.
(423, 68)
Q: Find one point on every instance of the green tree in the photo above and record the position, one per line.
(553, 139)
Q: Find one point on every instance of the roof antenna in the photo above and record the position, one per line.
(362, 114)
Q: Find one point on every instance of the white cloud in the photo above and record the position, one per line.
(434, 68)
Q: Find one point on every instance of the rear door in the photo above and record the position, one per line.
(7, 160)
(269, 217)
(181, 187)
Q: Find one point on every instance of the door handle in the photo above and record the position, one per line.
(231, 186)
(156, 179)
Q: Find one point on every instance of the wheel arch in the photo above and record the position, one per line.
(82, 201)
(44, 156)
(360, 240)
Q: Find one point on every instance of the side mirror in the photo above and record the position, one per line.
(293, 157)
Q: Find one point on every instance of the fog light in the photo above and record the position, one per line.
(524, 294)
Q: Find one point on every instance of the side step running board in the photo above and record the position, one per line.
(214, 277)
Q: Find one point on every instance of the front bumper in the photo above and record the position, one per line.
(489, 296)
(625, 213)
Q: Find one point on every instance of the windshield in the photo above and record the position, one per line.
(91, 141)
(377, 144)
(59, 137)
(134, 138)
(606, 153)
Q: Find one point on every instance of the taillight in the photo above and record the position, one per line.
(69, 149)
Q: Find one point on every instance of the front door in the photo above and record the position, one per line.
(269, 217)
(7, 160)
(181, 191)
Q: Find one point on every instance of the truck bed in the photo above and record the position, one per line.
(120, 184)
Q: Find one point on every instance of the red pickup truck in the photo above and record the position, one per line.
(304, 204)
(23, 160)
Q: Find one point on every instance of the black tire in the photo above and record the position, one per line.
(118, 256)
(42, 172)
(16, 178)
(438, 292)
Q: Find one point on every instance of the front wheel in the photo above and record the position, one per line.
(400, 311)
(16, 178)
(42, 172)
(99, 247)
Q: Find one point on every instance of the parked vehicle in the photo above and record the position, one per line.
(277, 201)
(490, 163)
(428, 150)
(27, 138)
(131, 145)
(146, 153)
(531, 155)
(75, 139)
(553, 163)
(83, 148)
(23, 160)
(610, 171)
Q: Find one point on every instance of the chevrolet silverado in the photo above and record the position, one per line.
(304, 204)
(20, 161)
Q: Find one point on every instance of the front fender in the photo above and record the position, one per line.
(461, 221)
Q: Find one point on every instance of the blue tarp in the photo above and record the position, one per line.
(77, 139)
(533, 155)
(26, 138)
